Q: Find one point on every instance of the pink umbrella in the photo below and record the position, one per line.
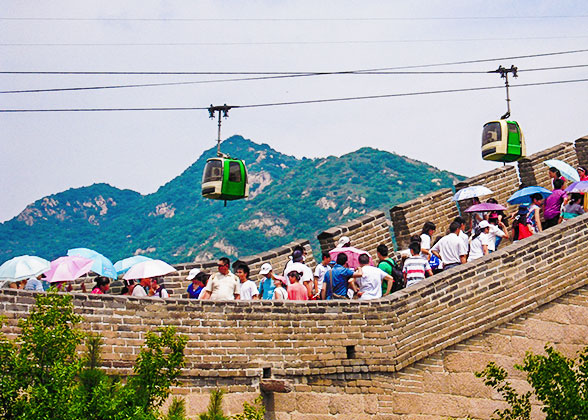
(352, 255)
(482, 207)
(68, 268)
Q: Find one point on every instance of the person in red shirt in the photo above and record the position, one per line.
(296, 291)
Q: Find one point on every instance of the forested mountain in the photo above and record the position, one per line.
(289, 199)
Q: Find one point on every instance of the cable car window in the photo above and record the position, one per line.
(513, 128)
(491, 133)
(213, 171)
(234, 172)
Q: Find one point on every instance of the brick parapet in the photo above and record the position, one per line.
(582, 151)
(237, 339)
(366, 232)
(532, 170)
(408, 218)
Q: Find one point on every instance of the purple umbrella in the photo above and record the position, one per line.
(578, 187)
(485, 207)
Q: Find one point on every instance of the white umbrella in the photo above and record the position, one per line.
(566, 170)
(471, 192)
(23, 267)
(124, 265)
(148, 269)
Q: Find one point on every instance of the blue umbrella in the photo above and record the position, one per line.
(565, 169)
(523, 196)
(102, 265)
(123, 266)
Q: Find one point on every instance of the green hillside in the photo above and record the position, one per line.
(289, 199)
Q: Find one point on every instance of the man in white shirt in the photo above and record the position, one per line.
(369, 285)
(248, 288)
(451, 249)
(462, 235)
(319, 273)
(223, 285)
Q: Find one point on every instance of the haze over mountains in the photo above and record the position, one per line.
(289, 199)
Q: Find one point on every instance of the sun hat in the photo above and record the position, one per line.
(265, 268)
(343, 240)
(193, 273)
(483, 224)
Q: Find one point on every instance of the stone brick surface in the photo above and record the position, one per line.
(408, 218)
(533, 171)
(366, 233)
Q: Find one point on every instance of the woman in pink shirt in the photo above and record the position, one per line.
(296, 291)
(102, 286)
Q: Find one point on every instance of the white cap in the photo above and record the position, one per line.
(483, 224)
(343, 240)
(265, 268)
(193, 273)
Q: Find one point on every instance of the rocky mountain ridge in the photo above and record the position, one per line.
(289, 199)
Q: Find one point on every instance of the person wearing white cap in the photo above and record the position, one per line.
(266, 284)
(343, 242)
(479, 241)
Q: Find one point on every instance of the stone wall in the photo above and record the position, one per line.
(503, 181)
(366, 233)
(533, 171)
(582, 151)
(377, 351)
(408, 218)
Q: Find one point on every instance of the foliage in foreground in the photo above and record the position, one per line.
(559, 383)
(43, 377)
(255, 411)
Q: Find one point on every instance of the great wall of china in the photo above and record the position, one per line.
(408, 356)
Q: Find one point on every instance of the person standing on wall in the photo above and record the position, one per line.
(553, 204)
(223, 285)
(415, 267)
(451, 249)
(319, 274)
(389, 266)
(267, 282)
(248, 288)
(427, 238)
(369, 285)
(337, 279)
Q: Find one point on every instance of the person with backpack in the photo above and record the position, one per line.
(390, 267)
(520, 227)
(337, 279)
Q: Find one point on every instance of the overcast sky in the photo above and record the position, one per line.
(45, 153)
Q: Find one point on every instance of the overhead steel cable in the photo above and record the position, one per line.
(221, 73)
(292, 75)
(342, 19)
(244, 43)
(301, 102)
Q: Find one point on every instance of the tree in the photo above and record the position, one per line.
(560, 383)
(42, 376)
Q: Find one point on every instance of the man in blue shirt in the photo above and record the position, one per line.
(337, 279)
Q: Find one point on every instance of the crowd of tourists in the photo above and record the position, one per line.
(350, 273)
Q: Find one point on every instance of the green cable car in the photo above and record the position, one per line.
(225, 178)
(503, 141)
